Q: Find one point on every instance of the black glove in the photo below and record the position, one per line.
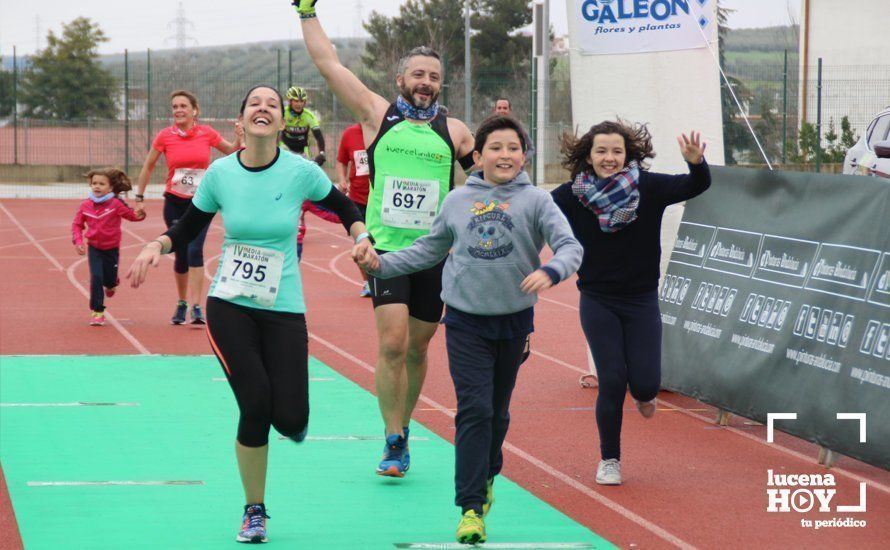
(320, 158)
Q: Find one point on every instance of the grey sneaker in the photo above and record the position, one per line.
(609, 472)
(646, 408)
(197, 315)
(179, 315)
(366, 291)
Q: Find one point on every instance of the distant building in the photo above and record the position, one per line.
(851, 39)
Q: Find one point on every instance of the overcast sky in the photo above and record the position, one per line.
(141, 25)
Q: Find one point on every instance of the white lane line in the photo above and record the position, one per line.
(111, 483)
(24, 258)
(559, 362)
(333, 267)
(70, 272)
(108, 315)
(313, 266)
(546, 468)
(563, 304)
(207, 261)
(23, 243)
(70, 404)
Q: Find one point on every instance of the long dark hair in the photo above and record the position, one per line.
(576, 150)
(120, 183)
(250, 91)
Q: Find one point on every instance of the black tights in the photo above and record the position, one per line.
(624, 335)
(265, 356)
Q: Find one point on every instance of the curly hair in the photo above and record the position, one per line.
(120, 182)
(576, 150)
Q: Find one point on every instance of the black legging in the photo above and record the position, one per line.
(265, 356)
(191, 254)
(103, 274)
(624, 335)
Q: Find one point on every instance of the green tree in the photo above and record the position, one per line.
(832, 149)
(438, 24)
(501, 55)
(6, 93)
(495, 45)
(769, 129)
(735, 135)
(848, 136)
(808, 144)
(65, 80)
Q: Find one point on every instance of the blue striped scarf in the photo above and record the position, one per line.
(614, 199)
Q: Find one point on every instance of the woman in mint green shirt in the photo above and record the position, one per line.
(255, 309)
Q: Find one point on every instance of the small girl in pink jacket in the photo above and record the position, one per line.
(101, 213)
(323, 213)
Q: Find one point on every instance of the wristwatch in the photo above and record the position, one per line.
(139, 198)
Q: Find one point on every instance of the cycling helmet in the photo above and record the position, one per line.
(295, 92)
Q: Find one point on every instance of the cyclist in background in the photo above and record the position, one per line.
(298, 121)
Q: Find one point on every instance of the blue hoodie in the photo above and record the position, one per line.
(494, 233)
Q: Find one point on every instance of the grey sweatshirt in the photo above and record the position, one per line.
(495, 234)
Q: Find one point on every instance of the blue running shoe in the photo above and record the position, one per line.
(197, 315)
(179, 315)
(393, 464)
(406, 458)
(253, 524)
(300, 437)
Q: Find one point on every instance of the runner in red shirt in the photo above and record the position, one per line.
(352, 158)
(186, 147)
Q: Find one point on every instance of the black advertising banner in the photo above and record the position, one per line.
(777, 300)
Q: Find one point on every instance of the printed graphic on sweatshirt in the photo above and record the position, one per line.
(491, 227)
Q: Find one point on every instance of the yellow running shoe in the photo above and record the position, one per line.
(471, 528)
(489, 496)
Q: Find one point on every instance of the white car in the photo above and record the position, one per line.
(871, 154)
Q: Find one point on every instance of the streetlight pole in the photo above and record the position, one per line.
(542, 58)
(468, 70)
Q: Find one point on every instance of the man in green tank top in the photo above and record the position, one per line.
(412, 148)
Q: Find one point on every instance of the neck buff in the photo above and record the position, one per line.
(185, 133)
(103, 198)
(412, 112)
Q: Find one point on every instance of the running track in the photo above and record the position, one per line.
(688, 483)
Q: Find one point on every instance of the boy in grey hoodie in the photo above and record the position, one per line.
(494, 228)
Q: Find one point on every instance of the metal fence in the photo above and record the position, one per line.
(797, 113)
(786, 105)
(48, 151)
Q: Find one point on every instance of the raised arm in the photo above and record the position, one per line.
(227, 147)
(145, 174)
(367, 106)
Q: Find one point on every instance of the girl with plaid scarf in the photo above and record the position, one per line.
(615, 207)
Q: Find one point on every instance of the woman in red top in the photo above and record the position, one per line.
(186, 147)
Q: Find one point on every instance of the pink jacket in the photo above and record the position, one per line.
(103, 223)
(322, 213)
